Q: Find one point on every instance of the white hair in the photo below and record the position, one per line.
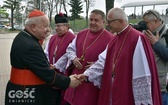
(152, 14)
(118, 13)
(33, 20)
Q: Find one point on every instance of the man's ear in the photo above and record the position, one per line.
(120, 20)
(68, 26)
(156, 20)
(33, 26)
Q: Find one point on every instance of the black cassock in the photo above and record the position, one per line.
(26, 52)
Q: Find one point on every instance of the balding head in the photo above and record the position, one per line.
(118, 13)
(117, 20)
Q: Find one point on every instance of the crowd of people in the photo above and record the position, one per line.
(120, 66)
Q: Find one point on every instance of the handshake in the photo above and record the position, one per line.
(76, 80)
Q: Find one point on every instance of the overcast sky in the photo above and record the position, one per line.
(1, 2)
(100, 4)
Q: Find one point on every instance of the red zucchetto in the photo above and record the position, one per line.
(35, 13)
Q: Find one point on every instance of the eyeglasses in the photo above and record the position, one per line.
(109, 21)
(150, 12)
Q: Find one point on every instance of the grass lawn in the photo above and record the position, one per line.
(81, 24)
(76, 25)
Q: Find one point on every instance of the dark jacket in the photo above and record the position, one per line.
(161, 56)
(26, 52)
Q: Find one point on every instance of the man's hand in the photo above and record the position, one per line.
(52, 66)
(74, 81)
(89, 64)
(77, 63)
(81, 77)
(152, 38)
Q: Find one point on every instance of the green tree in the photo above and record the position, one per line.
(89, 3)
(76, 9)
(18, 14)
(11, 4)
(3, 13)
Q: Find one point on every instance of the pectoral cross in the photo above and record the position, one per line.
(54, 55)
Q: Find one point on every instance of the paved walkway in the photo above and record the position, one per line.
(5, 45)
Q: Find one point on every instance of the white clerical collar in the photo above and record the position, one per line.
(122, 29)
